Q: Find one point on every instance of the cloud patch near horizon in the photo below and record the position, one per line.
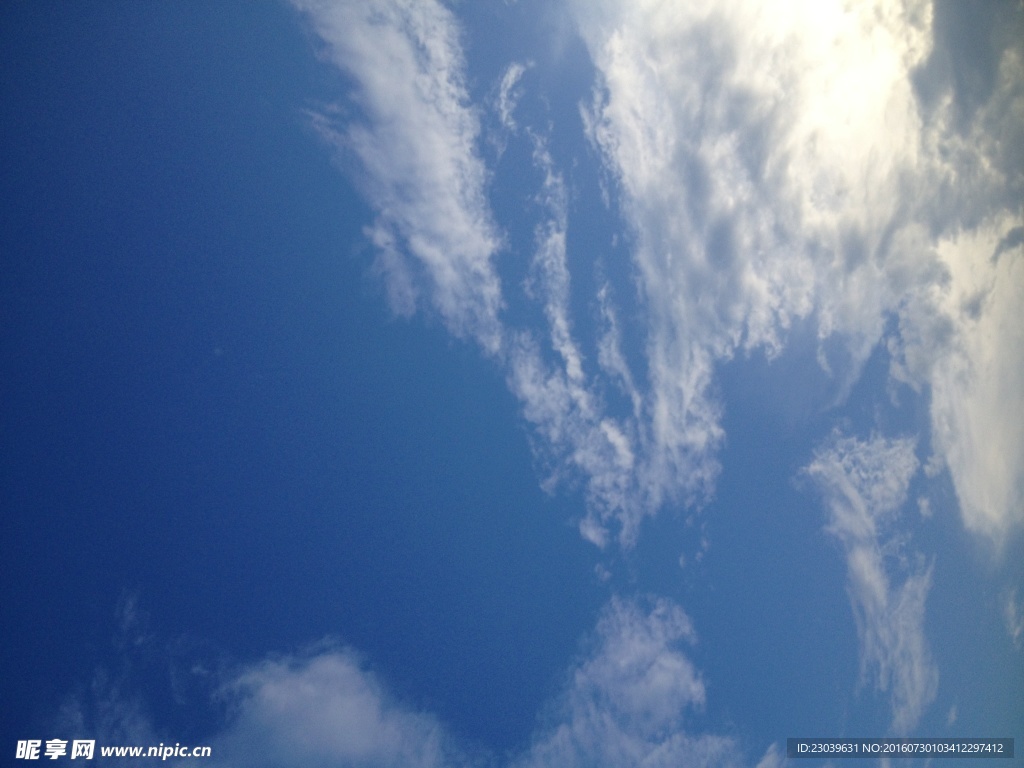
(327, 710)
(626, 701)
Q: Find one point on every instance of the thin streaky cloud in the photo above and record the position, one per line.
(509, 94)
(774, 168)
(577, 429)
(864, 486)
(435, 236)
(1013, 616)
(417, 151)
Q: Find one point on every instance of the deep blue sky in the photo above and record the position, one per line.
(666, 439)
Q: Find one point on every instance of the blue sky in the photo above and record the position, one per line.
(511, 383)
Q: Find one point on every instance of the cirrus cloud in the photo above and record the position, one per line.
(808, 165)
(864, 485)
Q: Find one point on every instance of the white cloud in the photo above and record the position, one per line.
(757, 149)
(961, 333)
(626, 702)
(977, 380)
(773, 757)
(864, 485)
(776, 164)
(417, 155)
(730, 129)
(1013, 615)
(327, 710)
(421, 171)
(557, 397)
(509, 94)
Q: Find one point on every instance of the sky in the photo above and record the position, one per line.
(511, 383)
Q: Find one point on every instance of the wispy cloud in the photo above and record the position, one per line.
(558, 396)
(110, 709)
(1013, 616)
(773, 166)
(509, 93)
(435, 238)
(108, 712)
(415, 145)
(864, 485)
(628, 702)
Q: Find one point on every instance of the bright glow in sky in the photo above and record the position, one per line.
(590, 382)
